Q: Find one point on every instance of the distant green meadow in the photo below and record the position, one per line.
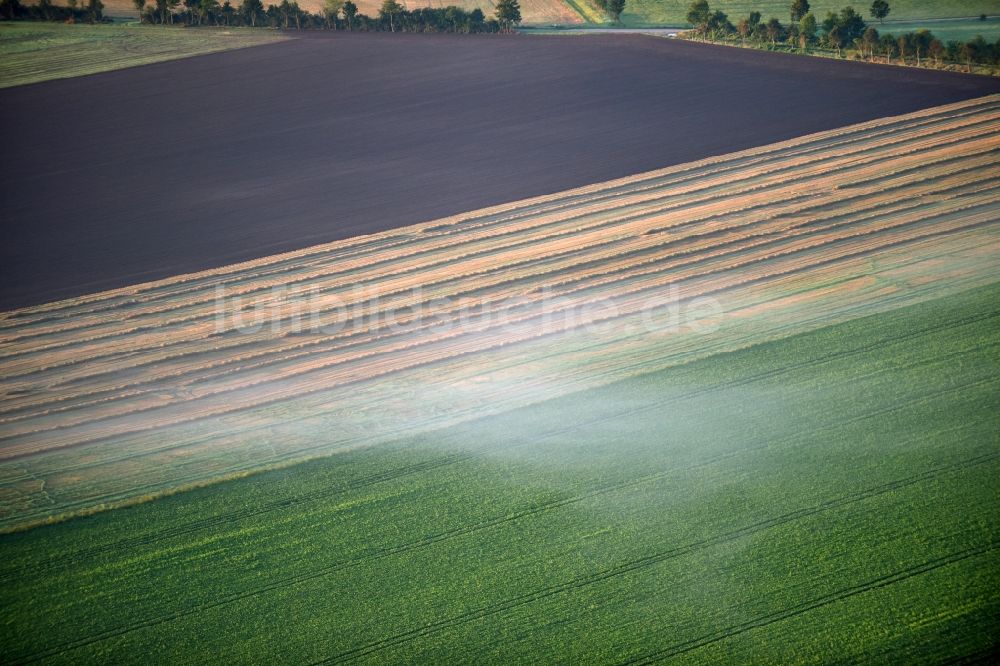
(674, 12)
(832, 496)
(36, 51)
(959, 31)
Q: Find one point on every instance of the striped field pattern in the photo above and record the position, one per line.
(117, 396)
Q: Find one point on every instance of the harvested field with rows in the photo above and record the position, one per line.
(119, 395)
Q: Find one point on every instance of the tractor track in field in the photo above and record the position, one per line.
(649, 560)
(534, 595)
(817, 602)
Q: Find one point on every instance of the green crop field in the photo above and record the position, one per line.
(962, 31)
(32, 52)
(830, 496)
(673, 12)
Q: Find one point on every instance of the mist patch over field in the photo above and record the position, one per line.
(828, 495)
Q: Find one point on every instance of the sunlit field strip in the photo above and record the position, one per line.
(33, 51)
(140, 390)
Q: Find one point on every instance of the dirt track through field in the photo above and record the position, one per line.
(171, 168)
(152, 387)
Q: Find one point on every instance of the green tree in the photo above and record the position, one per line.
(921, 42)
(879, 10)
(835, 38)
(207, 10)
(869, 42)
(508, 14)
(331, 10)
(476, 20)
(967, 52)
(792, 34)
(10, 8)
(799, 9)
(95, 10)
(852, 26)
(251, 11)
(755, 24)
(774, 30)
(718, 24)
(981, 51)
(139, 5)
(887, 44)
(903, 46)
(699, 14)
(615, 9)
(743, 28)
(390, 9)
(350, 11)
(807, 30)
(936, 50)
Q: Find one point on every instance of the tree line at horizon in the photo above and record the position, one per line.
(335, 15)
(839, 31)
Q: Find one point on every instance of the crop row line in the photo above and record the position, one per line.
(78, 358)
(815, 603)
(814, 243)
(532, 596)
(286, 353)
(649, 560)
(752, 279)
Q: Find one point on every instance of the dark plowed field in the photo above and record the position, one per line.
(169, 168)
